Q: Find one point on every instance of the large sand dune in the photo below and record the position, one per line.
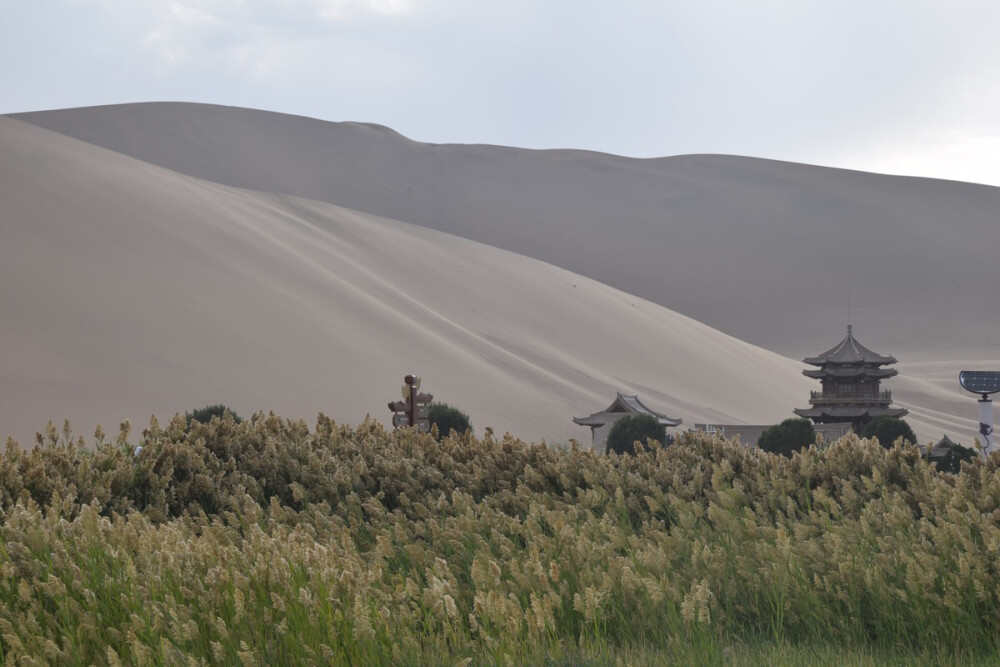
(128, 289)
(769, 252)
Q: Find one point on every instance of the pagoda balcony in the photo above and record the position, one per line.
(824, 398)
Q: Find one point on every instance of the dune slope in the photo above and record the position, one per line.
(129, 290)
(769, 252)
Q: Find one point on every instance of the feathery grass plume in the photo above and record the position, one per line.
(266, 541)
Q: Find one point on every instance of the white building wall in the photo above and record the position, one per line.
(600, 439)
(750, 434)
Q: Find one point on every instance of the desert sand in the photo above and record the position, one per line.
(769, 252)
(132, 287)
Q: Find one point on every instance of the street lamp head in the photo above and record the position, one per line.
(980, 382)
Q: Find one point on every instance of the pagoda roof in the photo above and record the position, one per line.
(849, 412)
(623, 405)
(849, 351)
(850, 371)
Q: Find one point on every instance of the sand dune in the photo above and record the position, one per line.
(769, 252)
(128, 290)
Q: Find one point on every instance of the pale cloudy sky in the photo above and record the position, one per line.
(896, 86)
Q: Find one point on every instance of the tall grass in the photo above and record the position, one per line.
(267, 542)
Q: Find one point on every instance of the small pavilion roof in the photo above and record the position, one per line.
(849, 351)
(941, 447)
(623, 405)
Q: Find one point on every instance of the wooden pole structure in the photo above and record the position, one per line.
(411, 382)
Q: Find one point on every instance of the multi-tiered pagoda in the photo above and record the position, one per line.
(850, 374)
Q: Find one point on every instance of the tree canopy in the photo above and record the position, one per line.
(887, 430)
(205, 414)
(447, 419)
(627, 430)
(788, 437)
(952, 461)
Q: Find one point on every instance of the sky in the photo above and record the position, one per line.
(893, 86)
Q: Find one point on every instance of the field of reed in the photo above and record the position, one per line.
(269, 542)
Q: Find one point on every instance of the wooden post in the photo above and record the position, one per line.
(411, 382)
(412, 410)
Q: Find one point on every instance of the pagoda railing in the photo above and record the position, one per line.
(849, 396)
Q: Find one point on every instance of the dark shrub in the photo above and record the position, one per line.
(204, 415)
(887, 430)
(952, 461)
(628, 430)
(788, 437)
(448, 419)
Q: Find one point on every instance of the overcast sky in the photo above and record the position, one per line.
(905, 87)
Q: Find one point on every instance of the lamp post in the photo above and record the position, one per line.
(983, 383)
(986, 423)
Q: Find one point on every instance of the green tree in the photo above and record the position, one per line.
(952, 461)
(627, 430)
(204, 415)
(887, 429)
(788, 437)
(447, 419)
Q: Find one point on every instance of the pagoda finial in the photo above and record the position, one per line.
(849, 329)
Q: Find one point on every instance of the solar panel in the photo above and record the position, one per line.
(980, 382)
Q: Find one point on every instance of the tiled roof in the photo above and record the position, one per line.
(849, 411)
(941, 448)
(623, 405)
(849, 351)
(850, 371)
